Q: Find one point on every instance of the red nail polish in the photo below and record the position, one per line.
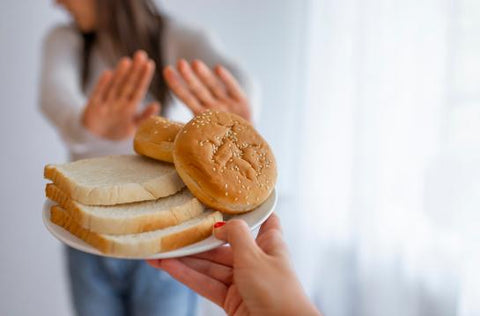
(218, 224)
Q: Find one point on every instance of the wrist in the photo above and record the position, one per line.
(86, 122)
(310, 309)
(301, 306)
(90, 127)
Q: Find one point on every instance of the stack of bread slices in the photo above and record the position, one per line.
(137, 205)
(126, 205)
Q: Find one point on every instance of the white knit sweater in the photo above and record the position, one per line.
(62, 99)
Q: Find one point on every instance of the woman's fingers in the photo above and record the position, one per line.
(152, 109)
(204, 73)
(233, 302)
(204, 285)
(214, 270)
(121, 72)
(143, 82)
(271, 242)
(175, 83)
(237, 234)
(99, 93)
(222, 255)
(270, 237)
(272, 222)
(139, 60)
(233, 87)
(194, 84)
(154, 263)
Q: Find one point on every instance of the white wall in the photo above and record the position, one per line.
(265, 34)
(31, 277)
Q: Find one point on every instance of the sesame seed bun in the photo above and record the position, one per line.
(154, 138)
(225, 162)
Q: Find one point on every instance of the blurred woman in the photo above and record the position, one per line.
(101, 77)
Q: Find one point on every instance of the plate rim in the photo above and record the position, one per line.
(80, 245)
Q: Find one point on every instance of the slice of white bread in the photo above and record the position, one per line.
(115, 179)
(143, 244)
(129, 218)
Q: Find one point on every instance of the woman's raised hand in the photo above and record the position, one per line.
(250, 277)
(112, 107)
(201, 88)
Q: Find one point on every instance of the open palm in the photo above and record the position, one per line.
(111, 111)
(202, 88)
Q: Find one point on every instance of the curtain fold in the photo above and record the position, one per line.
(374, 162)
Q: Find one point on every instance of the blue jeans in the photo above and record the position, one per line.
(105, 286)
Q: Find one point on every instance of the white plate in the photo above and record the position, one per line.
(253, 219)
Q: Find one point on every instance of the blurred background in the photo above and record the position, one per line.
(373, 110)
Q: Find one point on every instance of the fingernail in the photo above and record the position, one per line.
(218, 224)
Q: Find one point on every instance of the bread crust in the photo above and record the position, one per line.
(134, 190)
(154, 138)
(59, 217)
(113, 247)
(191, 235)
(225, 162)
(138, 223)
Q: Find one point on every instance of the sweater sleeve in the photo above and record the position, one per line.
(183, 41)
(61, 97)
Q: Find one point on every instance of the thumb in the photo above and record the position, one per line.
(152, 109)
(237, 234)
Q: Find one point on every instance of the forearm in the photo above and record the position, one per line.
(294, 301)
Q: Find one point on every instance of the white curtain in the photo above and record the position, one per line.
(389, 173)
